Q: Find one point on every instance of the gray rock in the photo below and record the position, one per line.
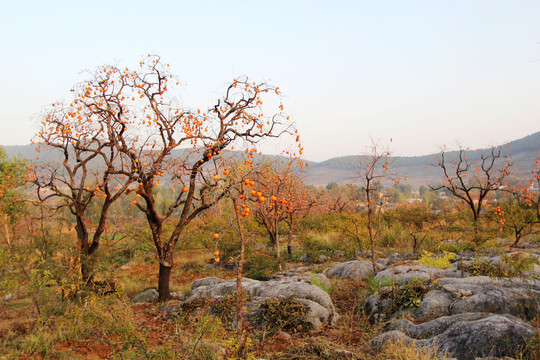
(178, 295)
(464, 336)
(321, 308)
(149, 295)
(171, 306)
(406, 273)
(481, 294)
(308, 277)
(464, 295)
(317, 315)
(382, 263)
(355, 270)
(207, 281)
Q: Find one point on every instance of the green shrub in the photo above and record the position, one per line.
(457, 246)
(281, 314)
(511, 265)
(375, 285)
(316, 280)
(485, 268)
(225, 307)
(260, 266)
(314, 245)
(441, 261)
(406, 296)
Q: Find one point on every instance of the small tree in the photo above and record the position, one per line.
(12, 209)
(237, 190)
(417, 220)
(353, 226)
(298, 204)
(472, 180)
(280, 197)
(519, 210)
(338, 198)
(372, 170)
(12, 184)
(516, 215)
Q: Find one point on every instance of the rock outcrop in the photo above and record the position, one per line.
(320, 307)
(481, 294)
(465, 295)
(354, 270)
(464, 336)
(406, 273)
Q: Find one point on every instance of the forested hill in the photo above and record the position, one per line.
(523, 153)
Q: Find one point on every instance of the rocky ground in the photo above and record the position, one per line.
(476, 307)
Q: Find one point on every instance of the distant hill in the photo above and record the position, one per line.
(341, 169)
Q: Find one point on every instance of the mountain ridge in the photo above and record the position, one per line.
(341, 169)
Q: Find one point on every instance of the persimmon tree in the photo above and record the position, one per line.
(471, 180)
(162, 141)
(280, 197)
(81, 133)
(517, 216)
(372, 170)
(298, 204)
(269, 198)
(339, 198)
(519, 209)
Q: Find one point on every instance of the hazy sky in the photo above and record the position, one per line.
(424, 73)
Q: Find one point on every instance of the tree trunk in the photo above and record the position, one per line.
(239, 293)
(372, 239)
(6, 229)
(87, 268)
(84, 258)
(289, 240)
(518, 237)
(164, 282)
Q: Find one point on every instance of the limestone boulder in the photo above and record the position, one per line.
(464, 336)
(481, 294)
(354, 270)
(450, 296)
(406, 273)
(319, 303)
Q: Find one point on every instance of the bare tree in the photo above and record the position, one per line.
(471, 180)
(372, 170)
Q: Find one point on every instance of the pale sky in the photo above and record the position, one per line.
(424, 73)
